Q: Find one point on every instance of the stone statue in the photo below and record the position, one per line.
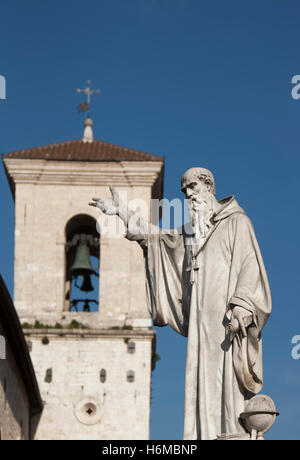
(210, 285)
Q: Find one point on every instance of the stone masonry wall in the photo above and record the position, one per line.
(14, 405)
(120, 409)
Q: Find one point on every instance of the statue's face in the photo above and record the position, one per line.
(197, 180)
(199, 204)
(196, 192)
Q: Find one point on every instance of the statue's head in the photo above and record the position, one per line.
(198, 185)
(197, 180)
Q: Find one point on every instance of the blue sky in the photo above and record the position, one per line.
(204, 83)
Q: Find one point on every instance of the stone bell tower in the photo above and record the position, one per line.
(80, 295)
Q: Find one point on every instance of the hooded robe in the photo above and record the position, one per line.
(197, 303)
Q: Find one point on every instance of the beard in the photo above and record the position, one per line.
(201, 211)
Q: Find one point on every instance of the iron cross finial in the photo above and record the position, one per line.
(85, 106)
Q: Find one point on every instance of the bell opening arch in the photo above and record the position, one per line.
(82, 264)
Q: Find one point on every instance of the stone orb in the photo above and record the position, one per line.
(260, 414)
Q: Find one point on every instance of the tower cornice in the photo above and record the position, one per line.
(120, 174)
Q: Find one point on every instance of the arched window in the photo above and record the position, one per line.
(82, 264)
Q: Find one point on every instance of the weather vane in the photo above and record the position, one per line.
(85, 106)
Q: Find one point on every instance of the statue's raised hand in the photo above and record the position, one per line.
(110, 206)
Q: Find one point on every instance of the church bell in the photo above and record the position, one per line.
(82, 266)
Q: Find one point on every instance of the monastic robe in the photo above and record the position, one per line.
(229, 271)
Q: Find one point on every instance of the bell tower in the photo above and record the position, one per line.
(80, 295)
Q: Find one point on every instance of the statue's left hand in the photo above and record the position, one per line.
(243, 318)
